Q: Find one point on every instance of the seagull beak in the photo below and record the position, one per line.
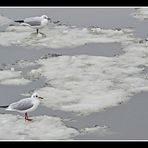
(40, 98)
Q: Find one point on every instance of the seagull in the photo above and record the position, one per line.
(25, 105)
(35, 22)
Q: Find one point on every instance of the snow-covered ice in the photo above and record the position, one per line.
(63, 36)
(141, 13)
(15, 81)
(86, 84)
(12, 77)
(82, 84)
(14, 127)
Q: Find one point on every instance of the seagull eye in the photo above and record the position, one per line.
(36, 96)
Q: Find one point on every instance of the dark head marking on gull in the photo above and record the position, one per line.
(25, 105)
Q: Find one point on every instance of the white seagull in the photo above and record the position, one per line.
(35, 22)
(25, 105)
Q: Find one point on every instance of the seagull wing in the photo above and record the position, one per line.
(22, 104)
(33, 21)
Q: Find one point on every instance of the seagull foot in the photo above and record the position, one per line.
(43, 35)
(28, 119)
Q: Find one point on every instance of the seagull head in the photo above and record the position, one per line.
(45, 17)
(36, 96)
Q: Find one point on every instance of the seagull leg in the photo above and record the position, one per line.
(26, 117)
(37, 30)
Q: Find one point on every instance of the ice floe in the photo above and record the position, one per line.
(86, 84)
(14, 127)
(141, 13)
(15, 81)
(25, 63)
(12, 77)
(63, 36)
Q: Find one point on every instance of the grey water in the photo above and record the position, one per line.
(128, 121)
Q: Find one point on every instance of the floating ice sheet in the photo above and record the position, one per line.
(41, 128)
(86, 84)
(141, 13)
(25, 63)
(9, 74)
(15, 81)
(11, 77)
(62, 36)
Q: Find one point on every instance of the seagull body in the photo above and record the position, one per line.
(35, 22)
(25, 105)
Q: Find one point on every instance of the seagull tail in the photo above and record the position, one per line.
(4, 106)
(19, 21)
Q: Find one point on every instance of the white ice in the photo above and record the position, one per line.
(62, 36)
(15, 81)
(86, 84)
(14, 127)
(25, 63)
(82, 84)
(12, 77)
(141, 13)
